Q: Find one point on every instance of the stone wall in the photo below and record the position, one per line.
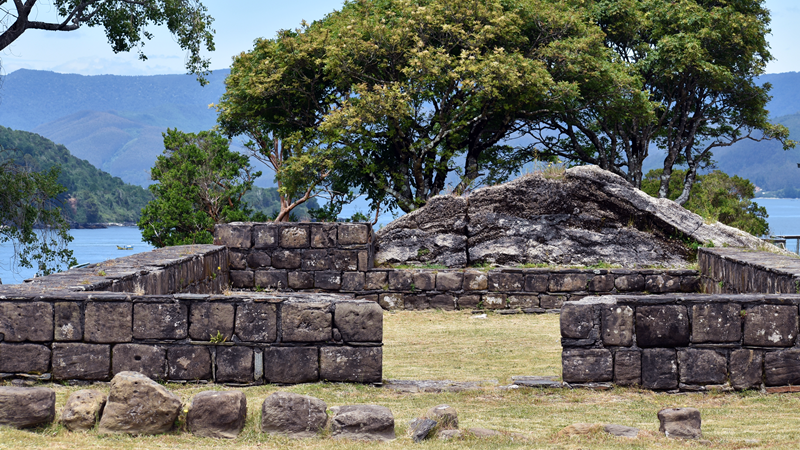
(683, 342)
(239, 339)
(741, 271)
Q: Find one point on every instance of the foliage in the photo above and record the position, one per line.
(125, 22)
(267, 201)
(201, 183)
(716, 196)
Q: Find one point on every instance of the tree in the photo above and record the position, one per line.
(124, 22)
(696, 62)
(200, 183)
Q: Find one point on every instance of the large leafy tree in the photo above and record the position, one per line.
(200, 183)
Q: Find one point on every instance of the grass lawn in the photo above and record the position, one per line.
(454, 346)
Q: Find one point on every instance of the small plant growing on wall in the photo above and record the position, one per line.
(217, 338)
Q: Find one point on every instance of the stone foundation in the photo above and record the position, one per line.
(741, 271)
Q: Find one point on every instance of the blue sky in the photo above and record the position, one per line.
(239, 23)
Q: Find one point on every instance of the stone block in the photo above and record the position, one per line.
(391, 301)
(257, 322)
(352, 281)
(782, 368)
(258, 259)
(601, 283)
(293, 415)
(376, 280)
(716, 322)
(505, 282)
(160, 321)
(568, 282)
(494, 301)
(306, 322)
(295, 236)
(82, 410)
(537, 283)
(328, 280)
(662, 326)
(74, 361)
(242, 279)
(629, 283)
(68, 321)
(523, 301)
(628, 368)
(108, 322)
(287, 259)
(351, 364)
(323, 235)
(400, 280)
(234, 235)
(138, 405)
(659, 368)
(301, 280)
(189, 362)
(364, 260)
(218, 415)
(29, 321)
(449, 281)
(577, 321)
(149, 360)
(353, 233)
(234, 365)
(237, 260)
(210, 319)
(362, 423)
(468, 301)
(587, 365)
(690, 284)
(345, 260)
(271, 279)
(24, 358)
(617, 325)
(680, 423)
(265, 236)
(26, 407)
(770, 326)
(291, 365)
(445, 302)
(424, 281)
(416, 302)
(746, 368)
(475, 281)
(359, 322)
(552, 301)
(315, 260)
(657, 284)
(700, 366)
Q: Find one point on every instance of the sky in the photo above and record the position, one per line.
(238, 23)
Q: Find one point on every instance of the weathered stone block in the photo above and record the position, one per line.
(237, 260)
(586, 365)
(537, 283)
(657, 284)
(301, 280)
(680, 423)
(782, 368)
(291, 365)
(690, 284)
(328, 280)
(108, 322)
(364, 260)
(265, 236)
(400, 280)
(601, 283)
(352, 281)
(257, 322)
(234, 365)
(449, 281)
(468, 301)
(770, 326)
(523, 301)
(362, 423)
(287, 259)
(293, 415)
(424, 281)
(160, 321)
(242, 279)
(576, 321)
(746, 367)
(629, 283)
(149, 360)
(315, 260)
(24, 358)
(445, 302)
(306, 322)
(271, 279)
(505, 282)
(208, 319)
(83, 409)
(295, 236)
(475, 281)
(68, 321)
(219, 415)
(353, 233)
(659, 368)
(234, 235)
(351, 364)
(552, 301)
(617, 326)
(138, 405)
(391, 301)
(698, 366)
(359, 322)
(628, 368)
(29, 321)
(376, 280)
(662, 326)
(24, 407)
(494, 301)
(189, 362)
(716, 322)
(416, 302)
(568, 282)
(258, 259)
(346, 260)
(81, 361)
(323, 235)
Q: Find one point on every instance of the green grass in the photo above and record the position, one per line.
(453, 345)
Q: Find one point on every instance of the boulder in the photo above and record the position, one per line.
(83, 410)
(216, 414)
(421, 429)
(446, 435)
(362, 423)
(445, 415)
(293, 415)
(682, 423)
(25, 407)
(138, 405)
(621, 430)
